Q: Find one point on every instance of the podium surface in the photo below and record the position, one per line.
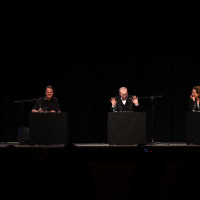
(126, 128)
(48, 128)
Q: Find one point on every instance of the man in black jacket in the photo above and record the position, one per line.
(124, 102)
(47, 103)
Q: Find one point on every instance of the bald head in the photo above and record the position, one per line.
(123, 92)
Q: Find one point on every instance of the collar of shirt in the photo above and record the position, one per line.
(123, 101)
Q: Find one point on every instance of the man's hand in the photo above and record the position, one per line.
(113, 101)
(135, 100)
(34, 111)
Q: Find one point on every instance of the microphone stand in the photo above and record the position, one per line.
(21, 102)
(153, 111)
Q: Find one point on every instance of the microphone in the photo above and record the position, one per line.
(133, 98)
(25, 100)
(148, 97)
(158, 96)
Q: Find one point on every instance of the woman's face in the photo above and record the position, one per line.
(194, 93)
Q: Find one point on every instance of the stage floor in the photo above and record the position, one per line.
(101, 145)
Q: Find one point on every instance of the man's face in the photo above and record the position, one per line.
(49, 93)
(124, 94)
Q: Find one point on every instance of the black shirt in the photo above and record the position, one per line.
(193, 105)
(47, 105)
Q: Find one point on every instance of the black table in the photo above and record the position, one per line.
(126, 128)
(48, 128)
(192, 127)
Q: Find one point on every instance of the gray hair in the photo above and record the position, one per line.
(123, 88)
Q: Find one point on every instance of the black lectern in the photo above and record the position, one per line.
(48, 128)
(192, 127)
(126, 128)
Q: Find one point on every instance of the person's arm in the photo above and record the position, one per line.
(34, 111)
(137, 108)
(135, 100)
(37, 106)
(57, 105)
(113, 107)
(191, 104)
(136, 104)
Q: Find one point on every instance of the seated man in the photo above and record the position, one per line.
(124, 102)
(47, 103)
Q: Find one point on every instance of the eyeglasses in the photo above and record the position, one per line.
(123, 94)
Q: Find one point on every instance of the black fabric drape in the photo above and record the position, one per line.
(87, 63)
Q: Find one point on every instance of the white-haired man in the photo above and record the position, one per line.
(124, 102)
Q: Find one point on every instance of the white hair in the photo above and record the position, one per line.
(122, 88)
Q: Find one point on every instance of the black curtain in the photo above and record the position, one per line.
(87, 62)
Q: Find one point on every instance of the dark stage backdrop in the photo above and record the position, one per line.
(86, 63)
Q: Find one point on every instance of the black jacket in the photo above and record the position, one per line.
(129, 106)
(193, 105)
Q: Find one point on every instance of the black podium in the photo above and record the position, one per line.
(48, 128)
(126, 128)
(192, 127)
